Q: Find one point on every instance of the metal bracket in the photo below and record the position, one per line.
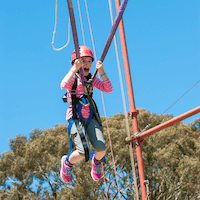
(73, 91)
(137, 134)
(132, 113)
(128, 139)
(88, 86)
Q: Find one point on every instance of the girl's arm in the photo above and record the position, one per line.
(105, 85)
(65, 84)
(100, 69)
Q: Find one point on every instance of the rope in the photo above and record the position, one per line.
(91, 35)
(54, 32)
(88, 17)
(79, 10)
(124, 104)
(106, 191)
(112, 32)
(103, 102)
(148, 125)
(75, 35)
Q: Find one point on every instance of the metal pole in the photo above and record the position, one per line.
(132, 111)
(165, 124)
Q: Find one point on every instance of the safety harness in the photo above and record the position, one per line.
(77, 104)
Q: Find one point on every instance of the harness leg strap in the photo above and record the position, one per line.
(83, 139)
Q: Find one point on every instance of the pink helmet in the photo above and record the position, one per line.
(84, 51)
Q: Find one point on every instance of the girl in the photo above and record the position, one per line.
(93, 129)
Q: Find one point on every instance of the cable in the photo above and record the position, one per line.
(180, 97)
(148, 125)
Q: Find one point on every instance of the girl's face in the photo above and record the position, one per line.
(87, 64)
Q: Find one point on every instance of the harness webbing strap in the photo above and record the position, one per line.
(95, 110)
(84, 101)
(70, 139)
(74, 99)
(75, 110)
(82, 136)
(83, 139)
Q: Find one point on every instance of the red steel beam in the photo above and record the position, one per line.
(165, 124)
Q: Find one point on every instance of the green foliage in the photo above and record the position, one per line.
(30, 169)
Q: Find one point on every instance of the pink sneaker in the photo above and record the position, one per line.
(96, 170)
(65, 171)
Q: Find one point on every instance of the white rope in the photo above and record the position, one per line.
(103, 102)
(123, 99)
(79, 10)
(91, 35)
(119, 71)
(54, 32)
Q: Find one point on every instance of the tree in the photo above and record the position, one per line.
(30, 169)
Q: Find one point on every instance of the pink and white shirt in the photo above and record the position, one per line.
(104, 86)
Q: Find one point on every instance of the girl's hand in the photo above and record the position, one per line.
(77, 64)
(99, 67)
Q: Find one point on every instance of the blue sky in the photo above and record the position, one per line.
(163, 40)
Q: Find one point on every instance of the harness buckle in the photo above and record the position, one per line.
(88, 87)
(80, 100)
(73, 91)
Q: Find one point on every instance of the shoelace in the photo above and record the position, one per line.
(98, 168)
(68, 171)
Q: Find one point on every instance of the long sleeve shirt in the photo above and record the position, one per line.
(104, 86)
